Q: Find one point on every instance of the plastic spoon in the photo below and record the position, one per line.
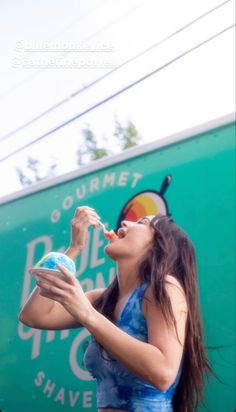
(108, 234)
(103, 226)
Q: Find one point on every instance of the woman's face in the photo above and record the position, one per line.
(134, 239)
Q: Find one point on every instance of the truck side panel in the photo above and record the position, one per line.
(192, 180)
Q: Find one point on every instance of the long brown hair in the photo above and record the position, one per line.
(172, 252)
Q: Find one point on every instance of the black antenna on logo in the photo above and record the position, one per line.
(165, 184)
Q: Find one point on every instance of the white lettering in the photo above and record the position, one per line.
(45, 243)
(87, 400)
(49, 388)
(94, 184)
(73, 399)
(136, 177)
(30, 262)
(60, 396)
(64, 334)
(83, 257)
(123, 179)
(97, 244)
(55, 216)
(87, 284)
(80, 373)
(50, 335)
(100, 282)
(36, 334)
(67, 202)
(40, 377)
(61, 393)
(109, 179)
(26, 332)
(79, 194)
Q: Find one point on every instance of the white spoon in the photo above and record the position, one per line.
(103, 226)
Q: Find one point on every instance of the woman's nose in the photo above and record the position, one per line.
(126, 223)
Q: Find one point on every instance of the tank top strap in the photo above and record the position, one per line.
(142, 288)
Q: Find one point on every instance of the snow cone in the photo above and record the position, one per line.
(49, 263)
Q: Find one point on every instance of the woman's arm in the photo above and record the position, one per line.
(157, 361)
(44, 313)
(57, 318)
(37, 307)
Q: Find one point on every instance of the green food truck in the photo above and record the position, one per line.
(189, 176)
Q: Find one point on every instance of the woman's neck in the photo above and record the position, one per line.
(127, 275)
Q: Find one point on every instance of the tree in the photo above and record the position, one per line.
(127, 136)
(34, 165)
(34, 172)
(89, 149)
(24, 180)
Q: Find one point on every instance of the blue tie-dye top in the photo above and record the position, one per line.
(117, 387)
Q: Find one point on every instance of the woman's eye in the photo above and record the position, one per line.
(142, 222)
(145, 222)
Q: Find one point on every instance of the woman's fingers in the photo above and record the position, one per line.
(80, 220)
(85, 221)
(58, 298)
(82, 208)
(55, 280)
(92, 221)
(84, 217)
(69, 276)
(86, 211)
(50, 289)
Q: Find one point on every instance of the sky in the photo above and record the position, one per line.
(50, 49)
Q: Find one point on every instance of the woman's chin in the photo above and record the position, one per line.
(109, 250)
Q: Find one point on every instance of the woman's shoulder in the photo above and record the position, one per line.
(94, 294)
(174, 290)
(171, 279)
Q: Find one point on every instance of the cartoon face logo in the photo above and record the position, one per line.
(147, 202)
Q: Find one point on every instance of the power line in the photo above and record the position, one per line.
(117, 93)
(115, 21)
(86, 87)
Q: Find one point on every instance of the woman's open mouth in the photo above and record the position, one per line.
(121, 233)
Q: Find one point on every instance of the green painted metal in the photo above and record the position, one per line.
(43, 370)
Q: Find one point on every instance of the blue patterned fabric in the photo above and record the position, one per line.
(117, 387)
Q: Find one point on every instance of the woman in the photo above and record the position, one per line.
(147, 351)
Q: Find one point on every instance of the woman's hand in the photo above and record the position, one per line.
(68, 292)
(83, 218)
